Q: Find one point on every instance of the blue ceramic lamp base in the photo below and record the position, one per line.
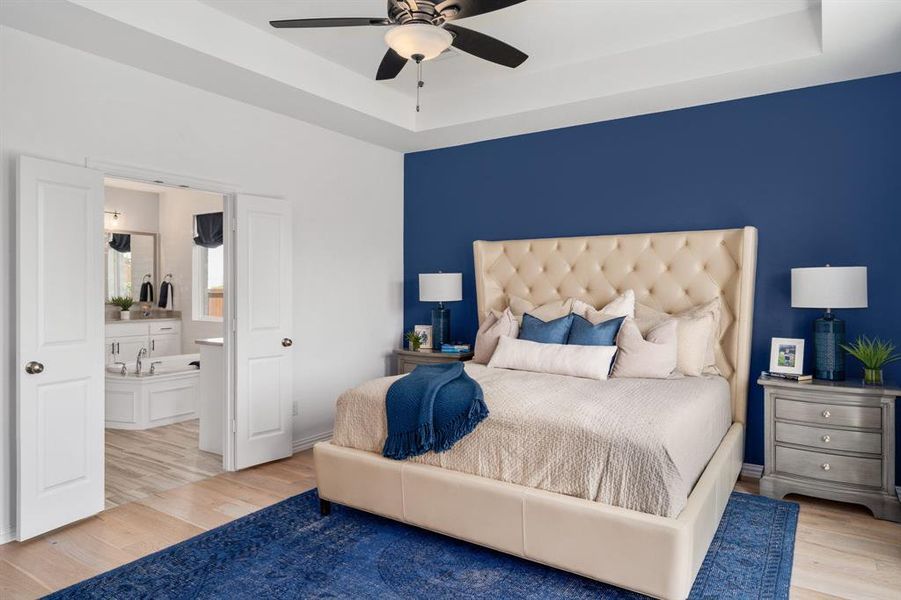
(440, 326)
(828, 337)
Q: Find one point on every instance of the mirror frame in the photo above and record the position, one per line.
(156, 258)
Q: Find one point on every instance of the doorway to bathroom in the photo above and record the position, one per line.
(164, 300)
(68, 360)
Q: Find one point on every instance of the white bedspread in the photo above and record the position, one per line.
(636, 443)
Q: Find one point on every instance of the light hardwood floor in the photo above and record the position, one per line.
(840, 552)
(142, 463)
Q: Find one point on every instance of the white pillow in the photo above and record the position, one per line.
(621, 306)
(654, 357)
(591, 362)
(698, 326)
(493, 328)
(546, 312)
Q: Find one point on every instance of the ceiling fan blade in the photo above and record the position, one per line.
(329, 22)
(461, 9)
(391, 65)
(486, 47)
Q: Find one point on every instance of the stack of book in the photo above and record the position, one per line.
(455, 348)
(789, 376)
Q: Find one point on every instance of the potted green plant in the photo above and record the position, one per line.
(414, 339)
(874, 354)
(124, 303)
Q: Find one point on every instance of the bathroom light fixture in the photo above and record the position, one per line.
(115, 214)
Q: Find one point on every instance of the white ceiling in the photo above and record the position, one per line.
(552, 32)
(590, 60)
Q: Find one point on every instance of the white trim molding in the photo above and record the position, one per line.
(7, 535)
(305, 443)
(751, 471)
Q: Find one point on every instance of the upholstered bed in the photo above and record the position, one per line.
(645, 529)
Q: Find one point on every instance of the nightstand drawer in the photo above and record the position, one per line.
(829, 439)
(829, 414)
(829, 467)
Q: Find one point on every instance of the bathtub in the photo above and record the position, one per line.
(145, 401)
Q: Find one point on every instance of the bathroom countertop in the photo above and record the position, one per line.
(139, 319)
(209, 342)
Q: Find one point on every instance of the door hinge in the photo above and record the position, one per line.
(234, 224)
(234, 426)
(234, 325)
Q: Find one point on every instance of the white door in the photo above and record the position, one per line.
(263, 330)
(60, 345)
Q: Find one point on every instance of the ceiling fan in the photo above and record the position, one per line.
(424, 31)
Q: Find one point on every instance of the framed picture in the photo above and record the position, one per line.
(425, 332)
(787, 356)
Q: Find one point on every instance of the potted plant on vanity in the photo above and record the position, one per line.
(874, 354)
(124, 303)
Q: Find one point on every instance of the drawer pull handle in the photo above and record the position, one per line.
(826, 439)
(825, 466)
(826, 414)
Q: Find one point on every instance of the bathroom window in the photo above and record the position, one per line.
(209, 277)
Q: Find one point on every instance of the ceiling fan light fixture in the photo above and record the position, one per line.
(417, 38)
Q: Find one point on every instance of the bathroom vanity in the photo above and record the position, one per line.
(160, 337)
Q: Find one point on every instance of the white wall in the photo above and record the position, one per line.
(177, 210)
(139, 211)
(66, 105)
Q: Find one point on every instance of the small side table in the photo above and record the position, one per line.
(406, 360)
(833, 440)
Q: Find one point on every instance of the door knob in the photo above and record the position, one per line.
(34, 367)
(287, 342)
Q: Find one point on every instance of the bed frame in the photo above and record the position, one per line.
(653, 555)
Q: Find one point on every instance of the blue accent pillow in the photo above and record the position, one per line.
(550, 332)
(583, 333)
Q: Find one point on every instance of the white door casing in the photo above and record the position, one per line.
(60, 334)
(263, 330)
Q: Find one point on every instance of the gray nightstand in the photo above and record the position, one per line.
(832, 440)
(406, 360)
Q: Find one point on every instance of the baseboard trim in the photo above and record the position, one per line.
(308, 442)
(751, 471)
(7, 535)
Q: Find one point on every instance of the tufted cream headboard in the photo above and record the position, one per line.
(668, 271)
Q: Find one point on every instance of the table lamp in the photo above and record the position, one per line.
(440, 287)
(829, 287)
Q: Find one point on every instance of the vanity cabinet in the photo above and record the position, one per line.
(125, 339)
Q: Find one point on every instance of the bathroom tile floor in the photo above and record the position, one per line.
(142, 463)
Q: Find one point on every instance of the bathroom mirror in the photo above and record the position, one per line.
(130, 257)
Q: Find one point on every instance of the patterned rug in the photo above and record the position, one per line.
(289, 551)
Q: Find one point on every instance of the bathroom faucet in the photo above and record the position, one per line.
(139, 364)
(153, 366)
(124, 368)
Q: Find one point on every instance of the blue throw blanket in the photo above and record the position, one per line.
(432, 408)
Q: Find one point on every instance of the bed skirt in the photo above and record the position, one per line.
(653, 555)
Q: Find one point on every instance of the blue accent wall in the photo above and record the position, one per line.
(817, 171)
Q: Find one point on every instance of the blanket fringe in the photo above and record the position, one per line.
(403, 445)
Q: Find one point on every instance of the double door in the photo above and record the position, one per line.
(60, 366)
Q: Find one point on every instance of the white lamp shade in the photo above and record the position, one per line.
(418, 38)
(440, 287)
(829, 287)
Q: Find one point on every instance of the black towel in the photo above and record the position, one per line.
(167, 294)
(146, 292)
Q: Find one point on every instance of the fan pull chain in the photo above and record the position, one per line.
(419, 83)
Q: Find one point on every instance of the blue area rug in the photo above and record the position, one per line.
(289, 551)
